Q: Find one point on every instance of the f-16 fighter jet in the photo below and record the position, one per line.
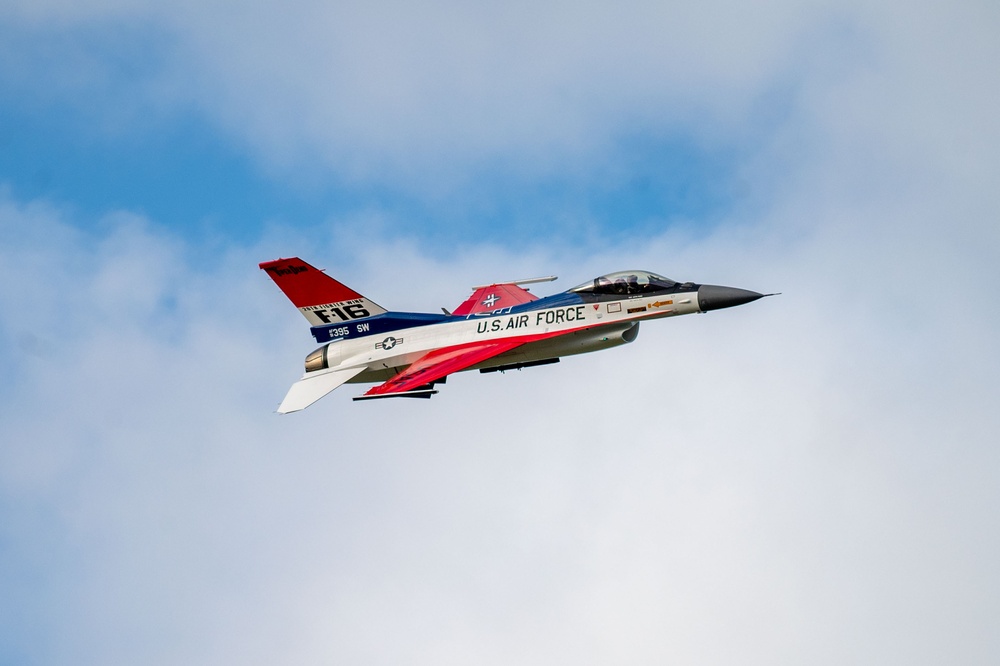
(500, 327)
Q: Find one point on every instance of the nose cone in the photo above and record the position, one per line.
(712, 297)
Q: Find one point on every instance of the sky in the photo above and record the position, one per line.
(811, 478)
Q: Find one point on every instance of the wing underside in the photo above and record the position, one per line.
(437, 364)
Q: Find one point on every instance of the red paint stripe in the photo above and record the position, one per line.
(305, 285)
(498, 297)
(442, 362)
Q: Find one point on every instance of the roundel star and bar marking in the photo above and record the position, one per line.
(388, 343)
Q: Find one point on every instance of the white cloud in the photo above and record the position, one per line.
(803, 478)
(432, 97)
(419, 95)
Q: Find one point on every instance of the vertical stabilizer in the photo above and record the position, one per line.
(321, 299)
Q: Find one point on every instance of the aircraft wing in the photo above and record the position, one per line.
(494, 297)
(437, 364)
(314, 386)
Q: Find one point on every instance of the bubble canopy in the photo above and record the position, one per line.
(626, 282)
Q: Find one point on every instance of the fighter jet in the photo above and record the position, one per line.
(502, 326)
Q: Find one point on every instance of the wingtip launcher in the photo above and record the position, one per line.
(547, 278)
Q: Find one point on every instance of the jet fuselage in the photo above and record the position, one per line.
(500, 326)
(559, 325)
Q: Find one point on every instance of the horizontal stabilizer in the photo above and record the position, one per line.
(313, 386)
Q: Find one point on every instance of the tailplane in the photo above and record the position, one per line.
(321, 299)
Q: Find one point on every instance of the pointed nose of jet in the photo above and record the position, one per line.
(712, 297)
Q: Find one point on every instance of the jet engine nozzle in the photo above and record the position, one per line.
(317, 359)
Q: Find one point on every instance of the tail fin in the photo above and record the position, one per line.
(320, 298)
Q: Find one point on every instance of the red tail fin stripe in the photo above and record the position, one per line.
(305, 285)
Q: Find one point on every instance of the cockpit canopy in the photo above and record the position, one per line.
(626, 282)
